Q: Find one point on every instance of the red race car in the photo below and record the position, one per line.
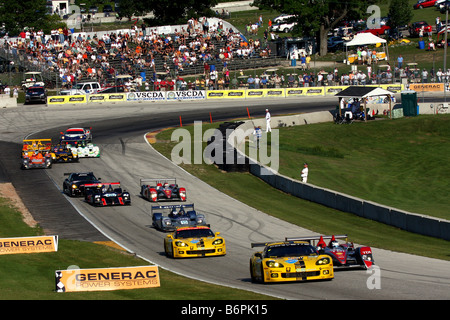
(162, 190)
(344, 253)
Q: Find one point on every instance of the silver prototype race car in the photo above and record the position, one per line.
(171, 217)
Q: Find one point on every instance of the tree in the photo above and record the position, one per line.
(17, 15)
(168, 11)
(317, 17)
(400, 13)
(178, 11)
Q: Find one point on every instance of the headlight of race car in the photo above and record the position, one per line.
(74, 186)
(217, 242)
(323, 261)
(274, 264)
(180, 244)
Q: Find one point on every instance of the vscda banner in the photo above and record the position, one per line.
(104, 279)
(186, 95)
(28, 245)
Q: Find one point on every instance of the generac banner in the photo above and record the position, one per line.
(427, 87)
(104, 279)
(28, 244)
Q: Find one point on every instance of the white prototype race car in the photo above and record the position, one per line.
(84, 148)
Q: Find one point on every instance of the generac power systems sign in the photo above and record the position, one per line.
(104, 279)
(28, 244)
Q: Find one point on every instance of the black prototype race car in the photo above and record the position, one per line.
(106, 194)
(171, 217)
(344, 254)
(74, 185)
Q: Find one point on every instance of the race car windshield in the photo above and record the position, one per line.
(194, 233)
(291, 250)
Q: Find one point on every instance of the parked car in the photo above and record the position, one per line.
(283, 17)
(82, 88)
(335, 44)
(424, 4)
(107, 8)
(284, 27)
(415, 27)
(36, 94)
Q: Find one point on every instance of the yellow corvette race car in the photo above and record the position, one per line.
(197, 241)
(284, 261)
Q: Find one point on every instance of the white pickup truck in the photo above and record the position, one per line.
(82, 88)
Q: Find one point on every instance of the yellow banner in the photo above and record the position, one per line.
(427, 87)
(108, 97)
(66, 99)
(105, 279)
(265, 93)
(218, 94)
(28, 245)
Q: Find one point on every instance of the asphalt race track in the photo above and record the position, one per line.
(119, 130)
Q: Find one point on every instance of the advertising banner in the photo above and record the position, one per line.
(186, 95)
(107, 97)
(427, 87)
(146, 96)
(66, 99)
(265, 93)
(333, 90)
(218, 94)
(106, 279)
(28, 245)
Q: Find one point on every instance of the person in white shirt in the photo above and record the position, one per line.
(304, 174)
(268, 128)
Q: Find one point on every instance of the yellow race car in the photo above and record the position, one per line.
(197, 241)
(284, 261)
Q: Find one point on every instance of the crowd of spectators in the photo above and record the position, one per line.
(164, 57)
(76, 57)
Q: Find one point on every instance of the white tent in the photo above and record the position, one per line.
(366, 38)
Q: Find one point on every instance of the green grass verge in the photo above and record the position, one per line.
(312, 216)
(32, 276)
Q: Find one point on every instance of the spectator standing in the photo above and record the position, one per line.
(257, 134)
(268, 128)
(305, 172)
(424, 75)
(400, 61)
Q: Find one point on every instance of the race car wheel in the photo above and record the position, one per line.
(252, 274)
(166, 249)
(262, 275)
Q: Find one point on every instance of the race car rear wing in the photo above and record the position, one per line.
(36, 144)
(158, 180)
(69, 173)
(313, 239)
(174, 206)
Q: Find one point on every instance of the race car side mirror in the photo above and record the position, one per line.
(169, 236)
(217, 233)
